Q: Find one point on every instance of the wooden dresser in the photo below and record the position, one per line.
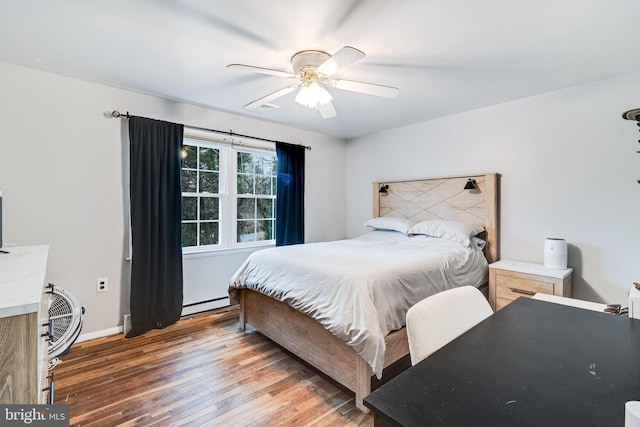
(509, 280)
(24, 313)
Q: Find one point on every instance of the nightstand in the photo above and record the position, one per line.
(509, 280)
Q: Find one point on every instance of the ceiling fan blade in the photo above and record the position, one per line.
(368, 88)
(267, 99)
(342, 59)
(262, 70)
(327, 111)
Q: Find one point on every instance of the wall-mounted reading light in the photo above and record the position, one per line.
(471, 184)
(384, 188)
(632, 115)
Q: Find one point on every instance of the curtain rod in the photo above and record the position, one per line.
(116, 114)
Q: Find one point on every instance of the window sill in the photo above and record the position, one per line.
(195, 253)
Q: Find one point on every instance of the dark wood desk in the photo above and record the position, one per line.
(533, 363)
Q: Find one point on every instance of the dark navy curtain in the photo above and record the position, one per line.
(290, 194)
(156, 206)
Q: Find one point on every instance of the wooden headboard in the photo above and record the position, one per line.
(444, 198)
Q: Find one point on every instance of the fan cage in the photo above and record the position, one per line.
(65, 317)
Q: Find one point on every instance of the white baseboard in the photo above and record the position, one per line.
(127, 320)
(127, 323)
(100, 334)
(205, 306)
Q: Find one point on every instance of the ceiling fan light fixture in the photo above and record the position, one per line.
(312, 95)
(312, 71)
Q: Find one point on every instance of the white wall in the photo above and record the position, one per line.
(61, 176)
(569, 168)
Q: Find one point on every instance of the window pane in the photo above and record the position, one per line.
(272, 230)
(246, 208)
(264, 208)
(264, 230)
(245, 184)
(209, 159)
(259, 164)
(189, 233)
(208, 233)
(209, 208)
(246, 231)
(245, 163)
(263, 184)
(190, 157)
(264, 164)
(273, 186)
(190, 208)
(189, 179)
(209, 182)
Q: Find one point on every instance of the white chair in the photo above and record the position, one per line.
(632, 414)
(438, 319)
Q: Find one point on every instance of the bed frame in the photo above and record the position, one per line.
(434, 198)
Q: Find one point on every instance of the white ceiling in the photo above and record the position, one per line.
(445, 56)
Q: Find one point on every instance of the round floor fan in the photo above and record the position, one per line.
(65, 320)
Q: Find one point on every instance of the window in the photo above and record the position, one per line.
(256, 197)
(228, 195)
(200, 195)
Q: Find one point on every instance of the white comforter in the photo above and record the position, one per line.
(360, 289)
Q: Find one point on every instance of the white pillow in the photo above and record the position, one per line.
(458, 231)
(389, 223)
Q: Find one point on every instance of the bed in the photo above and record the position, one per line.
(340, 306)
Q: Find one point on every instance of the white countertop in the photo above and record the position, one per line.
(22, 278)
(530, 268)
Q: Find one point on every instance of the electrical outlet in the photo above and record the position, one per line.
(103, 285)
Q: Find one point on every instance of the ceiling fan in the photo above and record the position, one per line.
(312, 70)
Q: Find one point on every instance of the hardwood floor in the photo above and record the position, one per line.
(201, 371)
